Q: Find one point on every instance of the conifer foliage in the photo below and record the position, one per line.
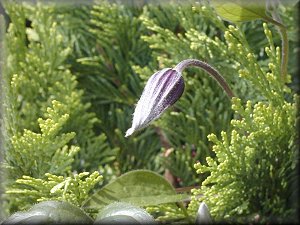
(71, 77)
(46, 121)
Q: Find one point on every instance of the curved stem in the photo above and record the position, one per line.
(209, 69)
(284, 52)
(284, 46)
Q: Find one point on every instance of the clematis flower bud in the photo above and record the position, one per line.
(162, 90)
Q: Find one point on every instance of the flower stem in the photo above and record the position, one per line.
(284, 46)
(209, 69)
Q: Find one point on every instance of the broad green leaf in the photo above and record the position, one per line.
(125, 213)
(240, 10)
(139, 187)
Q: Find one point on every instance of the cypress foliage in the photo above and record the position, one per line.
(250, 178)
(112, 86)
(45, 119)
(73, 73)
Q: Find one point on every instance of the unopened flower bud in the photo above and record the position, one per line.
(162, 90)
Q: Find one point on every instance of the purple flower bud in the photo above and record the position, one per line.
(162, 90)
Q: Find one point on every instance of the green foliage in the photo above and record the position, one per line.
(267, 81)
(74, 189)
(203, 108)
(259, 181)
(43, 76)
(250, 176)
(169, 212)
(35, 154)
(45, 119)
(73, 74)
(112, 86)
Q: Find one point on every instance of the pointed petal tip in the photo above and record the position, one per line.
(203, 215)
(129, 132)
